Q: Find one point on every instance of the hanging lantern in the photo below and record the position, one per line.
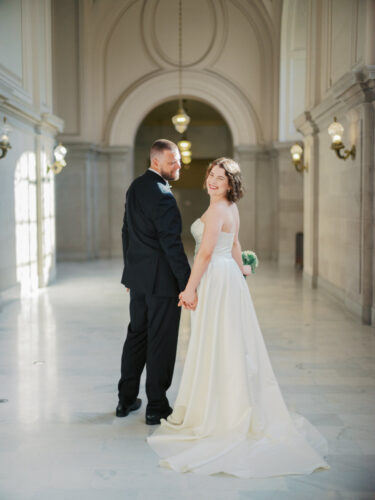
(181, 120)
(184, 144)
(186, 157)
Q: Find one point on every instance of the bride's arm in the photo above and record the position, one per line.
(237, 253)
(212, 227)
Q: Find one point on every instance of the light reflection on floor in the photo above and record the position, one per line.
(59, 364)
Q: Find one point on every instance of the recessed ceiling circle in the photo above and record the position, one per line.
(202, 31)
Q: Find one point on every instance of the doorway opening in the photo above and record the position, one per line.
(210, 137)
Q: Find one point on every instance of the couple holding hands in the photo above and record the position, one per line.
(229, 415)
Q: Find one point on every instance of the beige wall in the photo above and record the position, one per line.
(27, 225)
(339, 195)
(120, 62)
(123, 44)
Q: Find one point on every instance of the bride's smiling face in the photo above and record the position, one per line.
(217, 182)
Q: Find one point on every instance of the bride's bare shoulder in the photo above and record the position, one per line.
(235, 210)
(214, 216)
(215, 211)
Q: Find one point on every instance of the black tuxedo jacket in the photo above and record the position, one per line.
(154, 259)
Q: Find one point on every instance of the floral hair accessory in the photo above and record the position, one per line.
(232, 167)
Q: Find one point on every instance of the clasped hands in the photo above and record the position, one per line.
(188, 299)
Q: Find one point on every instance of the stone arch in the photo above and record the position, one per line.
(135, 103)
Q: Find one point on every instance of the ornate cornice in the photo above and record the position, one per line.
(84, 149)
(305, 124)
(41, 121)
(352, 89)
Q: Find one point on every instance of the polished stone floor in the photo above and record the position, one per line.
(59, 364)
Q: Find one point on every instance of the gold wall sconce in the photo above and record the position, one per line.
(336, 131)
(59, 154)
(5, 145)
(297, 152)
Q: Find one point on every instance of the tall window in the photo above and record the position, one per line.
(35, 222)
(25, 187)
(48, 220)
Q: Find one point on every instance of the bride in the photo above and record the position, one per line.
(229, 415)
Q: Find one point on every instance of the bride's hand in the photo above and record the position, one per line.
(246, 270)
(188, 299)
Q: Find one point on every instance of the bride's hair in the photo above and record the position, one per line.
(233, 172)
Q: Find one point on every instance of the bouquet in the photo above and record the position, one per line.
(249, 258)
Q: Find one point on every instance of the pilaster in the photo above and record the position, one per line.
(90, 201)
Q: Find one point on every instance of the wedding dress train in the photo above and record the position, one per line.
(229, 415)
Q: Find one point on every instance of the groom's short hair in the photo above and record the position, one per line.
(162, 145)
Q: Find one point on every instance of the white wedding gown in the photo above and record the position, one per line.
(229, 415)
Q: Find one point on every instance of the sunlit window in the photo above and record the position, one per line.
(32, 272)
(25, 187)
(48, 219)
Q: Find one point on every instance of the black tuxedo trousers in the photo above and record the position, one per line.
(156, 269)
(152, 337)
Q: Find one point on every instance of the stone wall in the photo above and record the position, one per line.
(27, 224)
(339, 195)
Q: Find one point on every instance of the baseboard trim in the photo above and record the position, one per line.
(341, 298)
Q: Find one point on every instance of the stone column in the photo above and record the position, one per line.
(309, 129)
(121, 173)
(75, 204)
(246, 157)
(290, 204)
(90, 194)
(258, 207)
(266, 204)
(367, 112)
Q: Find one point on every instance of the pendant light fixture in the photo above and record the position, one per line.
(184, 146)
(181, 120)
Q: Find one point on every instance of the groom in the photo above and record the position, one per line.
(156, 270)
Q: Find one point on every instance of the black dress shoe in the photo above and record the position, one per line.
(154, 419)
(123, 411)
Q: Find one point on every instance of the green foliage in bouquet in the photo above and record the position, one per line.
(249, 258)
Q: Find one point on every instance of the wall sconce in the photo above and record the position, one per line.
(336, 131)
(59, 153)
(4, 139)
(297, 153)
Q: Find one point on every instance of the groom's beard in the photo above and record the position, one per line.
(169, 177)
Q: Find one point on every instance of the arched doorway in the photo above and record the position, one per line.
(210, 137)
(237, 112)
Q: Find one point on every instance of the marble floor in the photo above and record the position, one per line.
(59, 364)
